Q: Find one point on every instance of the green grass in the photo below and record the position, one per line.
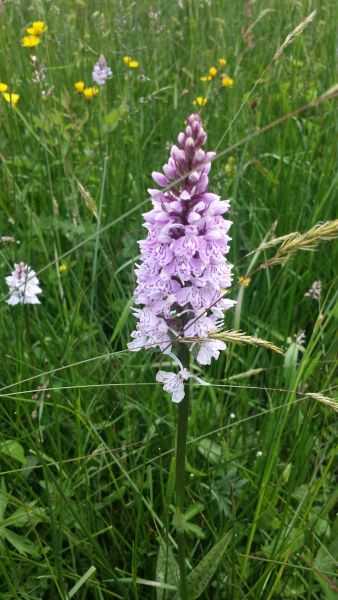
(86, 435)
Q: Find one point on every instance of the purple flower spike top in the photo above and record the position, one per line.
(101, 71)
(24, 286)
(183, 274)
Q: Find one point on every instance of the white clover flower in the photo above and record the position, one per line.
(101, 71)
(23, 285)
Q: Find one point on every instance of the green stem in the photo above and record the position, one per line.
(181, 444)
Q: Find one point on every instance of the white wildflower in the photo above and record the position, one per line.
(208, 350)
(174, 383)
(300, 338)
(101, 71)
(315, 290)
(23, 285)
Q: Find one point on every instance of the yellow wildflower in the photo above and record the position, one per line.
(79, 86)
(37, 28)
(206, 78)
(222, 62)
(63, 268)
(12, 99)
(131, 62)
(3, 87)
(212, 72)
(29, 41)
(200, 101)
(245, 281)
(90, 92)
(227, 81)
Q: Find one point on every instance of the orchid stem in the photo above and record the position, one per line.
(181, 444)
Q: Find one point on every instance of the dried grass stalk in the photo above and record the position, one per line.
(246, 374)
(292, 242)
(88, 199)
(332, 92)
(293, 35)
(324, 400)
(235, 337)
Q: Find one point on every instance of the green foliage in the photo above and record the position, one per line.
(23, 517)
(199, 579)
(166, 570)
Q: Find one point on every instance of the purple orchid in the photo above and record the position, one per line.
(183, 274)
(101, 71)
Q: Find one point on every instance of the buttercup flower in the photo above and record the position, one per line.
(206, 78)
(24, 285)
(79, 86)
(29, 41)
(222, 62)
(12, 99)
(101, 71)
(37, 28)
(91, 92)
(213, 72)
(3, 87)
(131, 62)
(183, 272)
(227, 81)
(200, 101)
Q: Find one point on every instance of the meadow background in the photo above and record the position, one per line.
(86, 435)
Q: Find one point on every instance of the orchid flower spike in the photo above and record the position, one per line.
(24, 285)
(183, 272)
(101, 71)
